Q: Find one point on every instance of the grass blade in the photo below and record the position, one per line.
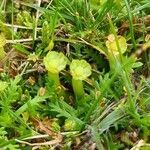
(131, 23)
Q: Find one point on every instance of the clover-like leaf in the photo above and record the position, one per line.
(80, 69)
(55, 61)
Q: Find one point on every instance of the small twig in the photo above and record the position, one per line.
(36, 20)
(140, 144)
(95, 47)
(36, 137)
(12, 19)
(20, 40)
(53, 142)
(20, 27)
(26, 65)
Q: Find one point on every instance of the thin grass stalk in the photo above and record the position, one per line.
(12, 18)
(130, 23)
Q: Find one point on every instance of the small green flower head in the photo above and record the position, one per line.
(80, 69)
(55, 62)
(2, 40)
(70, 125)
(112, 46)
(3, 86)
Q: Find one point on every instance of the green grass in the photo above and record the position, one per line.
(114, 110)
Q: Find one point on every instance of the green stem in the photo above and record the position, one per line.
(55, 78)
(112, 61)
(57, 85)
(78, 88)
(2, 53)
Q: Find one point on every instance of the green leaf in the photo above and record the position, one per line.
(21, 48)
(137, 64)
(65, 110)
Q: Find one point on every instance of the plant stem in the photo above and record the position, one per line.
(57, 85)
(55, 78)
(112, 61)
(78, 88)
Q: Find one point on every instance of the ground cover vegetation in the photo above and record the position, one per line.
(74, 74)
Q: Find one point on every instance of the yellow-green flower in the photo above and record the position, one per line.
(112, 46)
(80, 69)
(55, 62)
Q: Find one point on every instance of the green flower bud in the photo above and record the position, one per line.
(55, 62)
(80, 69)
(112, 46)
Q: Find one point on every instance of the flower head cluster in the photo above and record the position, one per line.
(55, 62)
(80, 69)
